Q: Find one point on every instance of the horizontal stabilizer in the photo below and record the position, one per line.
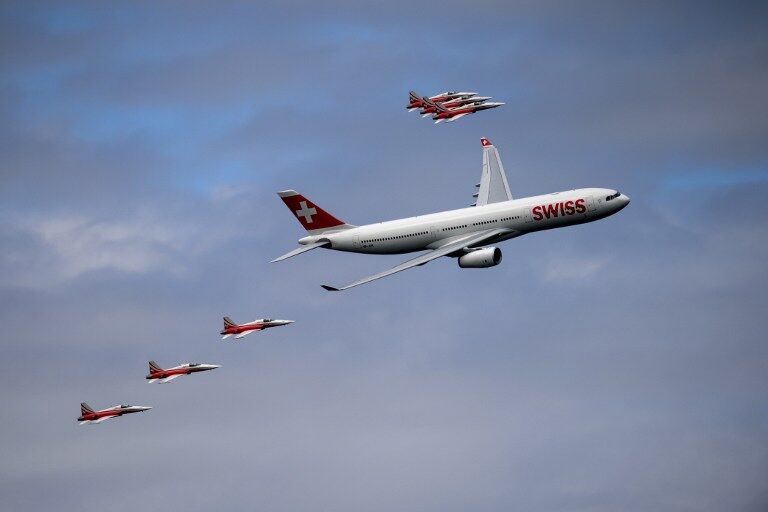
(302, 249)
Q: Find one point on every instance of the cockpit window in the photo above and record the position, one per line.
(267, 319)
(613, 196)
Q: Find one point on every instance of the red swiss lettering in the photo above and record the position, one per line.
(580, 208)
(550, 210)
(536, 213)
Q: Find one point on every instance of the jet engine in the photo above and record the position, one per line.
(481, 258)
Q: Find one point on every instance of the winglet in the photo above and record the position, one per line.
(485, 142)
(330, 288)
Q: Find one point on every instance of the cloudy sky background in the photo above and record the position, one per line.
(619, 365)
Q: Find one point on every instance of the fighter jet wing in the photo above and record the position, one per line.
(169, 379)
(453, 246)
(243, 334)
(493, 180)
(226, 336)
(102, 419)
(457, 116)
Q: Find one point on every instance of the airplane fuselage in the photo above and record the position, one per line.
(237, 329)
(519, 216)
(119, 410)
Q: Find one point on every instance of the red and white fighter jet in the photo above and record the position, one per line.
(158, 374)
(416, 102)
(242, 330)
(430, 106)
(452, 114)
(89, 416)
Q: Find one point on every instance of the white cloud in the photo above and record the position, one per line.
(62, 247)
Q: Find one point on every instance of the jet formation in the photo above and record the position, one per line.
(450, 105)
(89, 416)
(467, 234)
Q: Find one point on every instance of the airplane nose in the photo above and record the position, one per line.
(622, 201)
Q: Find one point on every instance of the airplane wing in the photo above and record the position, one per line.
(169, 379)
(457, 117)
(102, 419)
(243, 334)
(493, 180)
(226, 336)
(456, 245)
(150, 381)
(299, 250)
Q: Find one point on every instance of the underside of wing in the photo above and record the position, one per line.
(242, 334)
(493, 180)
(450, 247)
(226, 336)
(459, 116)
(102, 419)
(169, 379)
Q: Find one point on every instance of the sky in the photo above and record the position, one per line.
(616, 365)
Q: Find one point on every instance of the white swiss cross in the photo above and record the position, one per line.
(305, 212)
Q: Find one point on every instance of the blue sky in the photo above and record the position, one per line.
(619, 365)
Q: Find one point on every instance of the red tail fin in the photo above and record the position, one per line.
(311, 216)
(228, 322)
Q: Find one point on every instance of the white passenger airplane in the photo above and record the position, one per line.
(463, 233)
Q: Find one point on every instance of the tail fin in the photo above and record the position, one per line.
(414, 97)
(440, 108)
(312, 217)
(85, 409)
(154, 367)
(228, 322)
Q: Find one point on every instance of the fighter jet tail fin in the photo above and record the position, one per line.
(228, 322)
(414, 96)
(85, 408)
(154, 367)
(313, 218)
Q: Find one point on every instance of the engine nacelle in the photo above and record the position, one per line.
(481, 258)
